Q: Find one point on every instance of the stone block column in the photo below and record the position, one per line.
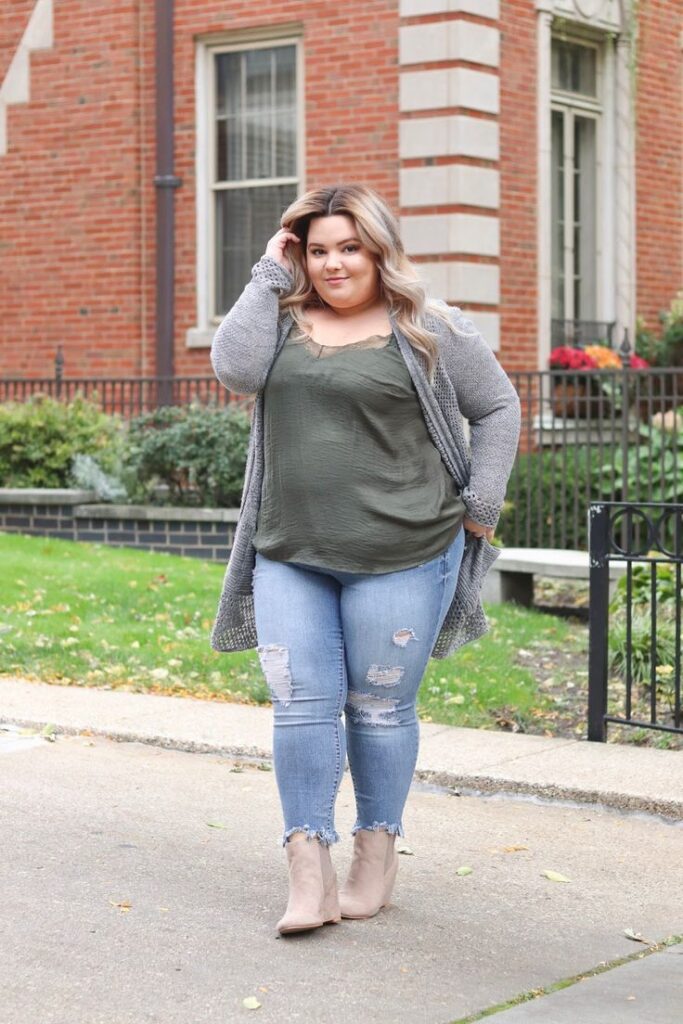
(449, 149)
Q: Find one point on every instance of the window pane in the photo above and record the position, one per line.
(228, 99)
(245, 219)
(255, 134)
(557, 227)
(285, 145)
(285, 78)
(585, 212)
(258, 80)
(574, 68)
(259, 145)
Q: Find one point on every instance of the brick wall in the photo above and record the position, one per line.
(659, 158)
(77, 203)
(518, 169)
(69, 196)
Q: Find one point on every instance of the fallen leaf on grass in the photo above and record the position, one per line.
(555, 876)
(636, 936)
(464, 871)
(251, 1003)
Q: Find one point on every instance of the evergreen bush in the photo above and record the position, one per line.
(39, 439)
(197, 451)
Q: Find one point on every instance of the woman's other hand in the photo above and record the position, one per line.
(277, 245)
(477, 529)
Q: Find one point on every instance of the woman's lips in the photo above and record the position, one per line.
(335, 280)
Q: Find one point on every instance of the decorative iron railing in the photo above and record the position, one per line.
(590, 436)
(635, 638)
(578, 333)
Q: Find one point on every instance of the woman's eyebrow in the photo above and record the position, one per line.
(319, 245)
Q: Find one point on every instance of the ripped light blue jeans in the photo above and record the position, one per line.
(332, 642)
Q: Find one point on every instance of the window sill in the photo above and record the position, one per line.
(200, 337)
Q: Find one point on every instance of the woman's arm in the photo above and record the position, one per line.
(244, 344)
(488, 400)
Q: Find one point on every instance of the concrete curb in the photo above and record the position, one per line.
(616, 776)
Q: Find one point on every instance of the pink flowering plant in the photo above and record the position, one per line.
(566, 358)
(596, 357)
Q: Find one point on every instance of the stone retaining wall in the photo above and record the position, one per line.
(71, 515)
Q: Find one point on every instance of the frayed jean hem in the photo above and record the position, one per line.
(393, 830)
(324, 835)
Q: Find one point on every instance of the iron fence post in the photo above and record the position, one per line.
(598, 530)
(59, 370)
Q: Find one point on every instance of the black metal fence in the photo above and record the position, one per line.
(635, 638)
(127, 396)
(598, 435)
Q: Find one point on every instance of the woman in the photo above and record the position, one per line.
(365, 521)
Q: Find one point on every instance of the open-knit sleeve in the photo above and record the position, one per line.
(244, 344)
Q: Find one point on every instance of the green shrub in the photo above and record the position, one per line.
(642, 653)
(540, 498)
(198, 451)
(40, 437)
(659, 460)
(641, 587)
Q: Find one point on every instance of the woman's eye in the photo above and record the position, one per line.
(350, 248)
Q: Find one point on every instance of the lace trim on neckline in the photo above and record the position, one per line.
(298, 337)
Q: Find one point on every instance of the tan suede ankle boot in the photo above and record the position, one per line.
(372, 874)
(313, 899)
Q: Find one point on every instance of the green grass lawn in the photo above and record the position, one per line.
(91, 615)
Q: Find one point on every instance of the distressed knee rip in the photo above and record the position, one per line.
(274, 660)
(372, 710)
(384, 675)
(402, 636)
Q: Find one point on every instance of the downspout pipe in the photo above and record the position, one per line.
(165, 182)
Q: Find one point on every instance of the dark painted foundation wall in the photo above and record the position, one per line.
(71, 515)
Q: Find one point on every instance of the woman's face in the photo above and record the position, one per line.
(342, 271)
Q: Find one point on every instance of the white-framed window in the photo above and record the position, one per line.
(249, 162)
(576, 146)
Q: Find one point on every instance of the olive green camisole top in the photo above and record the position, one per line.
(352, 479)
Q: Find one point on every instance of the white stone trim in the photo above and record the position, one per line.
(450, 135)
(451, 40)
(450, 233)
(625, 243)
(201, 334)
(544, 149)
(484, 8)
(450, 184)
(16, 85)
(489, 326)
(461, 282)
(602, 14)
(615, 231)
(449, 87)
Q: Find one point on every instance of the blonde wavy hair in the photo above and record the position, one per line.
(377, 228)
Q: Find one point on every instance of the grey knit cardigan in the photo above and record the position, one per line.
(469, 381)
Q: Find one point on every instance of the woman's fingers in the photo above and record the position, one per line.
(277, 245)
(478, 529)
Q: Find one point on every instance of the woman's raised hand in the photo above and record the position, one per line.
(277, 245)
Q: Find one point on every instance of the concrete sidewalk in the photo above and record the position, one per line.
(112, 854)
(475, 760)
